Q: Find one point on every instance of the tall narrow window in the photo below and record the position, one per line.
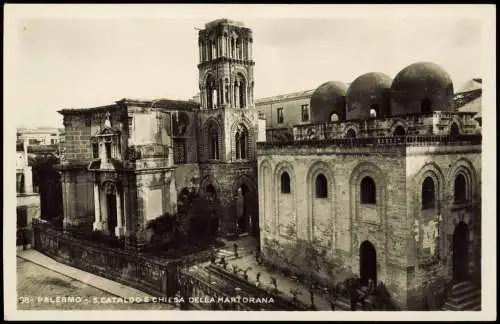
(130, 124)
(241, 145)
(305, 112)
(214, 144)
(454, 131)
(280, 115)
(285, 183)
(368, 191)
(460, 189)
(95, 150)
(108, 150)
(428, 194)
(321, 186)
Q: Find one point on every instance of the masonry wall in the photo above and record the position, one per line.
(333, 228)
(80, 127)
(156, 196)
(78, 198)
(432, 269)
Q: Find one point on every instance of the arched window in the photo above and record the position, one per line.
(351, 133)
(213, 150)
(460, 189)
(321, 186)
(368, 191)
(428, 194)
(241, 144)
(334, 117)
(285, 182)
(399, 131)
(454, 131)
(373, 110)
(426, 106)
(211, 90)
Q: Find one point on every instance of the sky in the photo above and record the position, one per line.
(91, 60)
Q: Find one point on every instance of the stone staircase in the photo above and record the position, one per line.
(464, 296)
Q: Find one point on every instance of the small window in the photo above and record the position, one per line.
(334, 117)
(305, 112)
(280, 115)
(180, 151)
(285, 183)
(321, 186)
(351, 133)
(95, 150)
(108, 150)
(368, 191)
(460, 189)
(428, 194)
(373, 111)
(130, 124)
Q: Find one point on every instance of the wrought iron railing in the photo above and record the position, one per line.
(412, 140)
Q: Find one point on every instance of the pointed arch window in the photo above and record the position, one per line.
(214, 143)
(241, 139)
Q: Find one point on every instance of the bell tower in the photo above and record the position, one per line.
(228, 118)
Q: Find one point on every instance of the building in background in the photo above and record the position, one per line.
(27, 200)
(39, 135)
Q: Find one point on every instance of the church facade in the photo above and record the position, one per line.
(128, 163)
(384, 184)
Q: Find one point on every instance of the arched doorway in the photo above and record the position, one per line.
(246, 209)
(461, 252)
(110, 207)
(367, 262)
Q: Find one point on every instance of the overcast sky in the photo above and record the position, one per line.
(85, 62)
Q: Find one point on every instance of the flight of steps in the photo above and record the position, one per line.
(464, 297)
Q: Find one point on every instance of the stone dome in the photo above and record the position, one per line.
(420, 88)
(327, 99)
(368, 91)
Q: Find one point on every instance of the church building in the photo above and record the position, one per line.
(133, 161)
(384, 183)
